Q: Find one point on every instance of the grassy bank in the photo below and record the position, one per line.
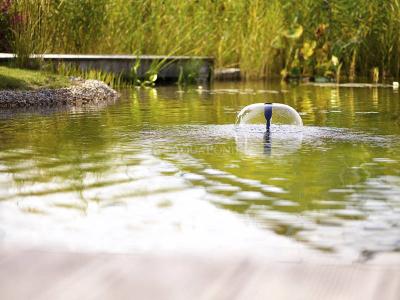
(264, 38)
(13, 78)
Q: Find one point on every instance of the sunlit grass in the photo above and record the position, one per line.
(13, 78)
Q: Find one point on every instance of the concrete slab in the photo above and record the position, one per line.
(122, 64)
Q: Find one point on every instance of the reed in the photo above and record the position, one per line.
(28, 28)
(70, 70)
(361, 34)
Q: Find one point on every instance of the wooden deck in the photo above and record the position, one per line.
(37, 274)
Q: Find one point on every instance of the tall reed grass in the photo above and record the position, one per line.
(362, 34)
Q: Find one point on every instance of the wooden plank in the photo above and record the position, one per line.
(56, 275)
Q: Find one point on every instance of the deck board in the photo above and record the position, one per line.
(35, 274)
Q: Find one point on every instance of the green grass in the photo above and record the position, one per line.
(21, 79)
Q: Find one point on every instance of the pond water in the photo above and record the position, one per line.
(165, 170)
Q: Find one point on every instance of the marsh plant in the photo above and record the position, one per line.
(73, 71)
(339, 37)
(28, 29)
(151, 75)
(134, 78)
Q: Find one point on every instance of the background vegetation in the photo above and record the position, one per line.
(262, 37)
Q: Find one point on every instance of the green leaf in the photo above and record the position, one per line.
(153, 78)
(335, 60)
(293, 33)
(308, 49)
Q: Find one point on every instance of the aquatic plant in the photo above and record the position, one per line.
(361, 34)
(189, 73)
(29, 30)
(71, 70)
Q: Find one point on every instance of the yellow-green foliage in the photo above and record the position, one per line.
(13, 78)
(362, 34)
(74, 71)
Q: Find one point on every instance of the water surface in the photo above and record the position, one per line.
(165, 170)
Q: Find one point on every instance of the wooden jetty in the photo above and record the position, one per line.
(36, 274)
(122, 64)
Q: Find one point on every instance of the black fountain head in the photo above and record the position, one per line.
(268, 114)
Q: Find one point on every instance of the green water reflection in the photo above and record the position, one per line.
(336, 188)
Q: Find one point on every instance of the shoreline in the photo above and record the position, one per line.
(80, 93)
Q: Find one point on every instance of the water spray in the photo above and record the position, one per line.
(269, 113)
(282, 134)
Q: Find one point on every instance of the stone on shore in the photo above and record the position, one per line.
(80, 93)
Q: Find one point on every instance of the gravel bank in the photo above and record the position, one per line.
(80, 93)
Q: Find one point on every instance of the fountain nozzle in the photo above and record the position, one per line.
(268, 114)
